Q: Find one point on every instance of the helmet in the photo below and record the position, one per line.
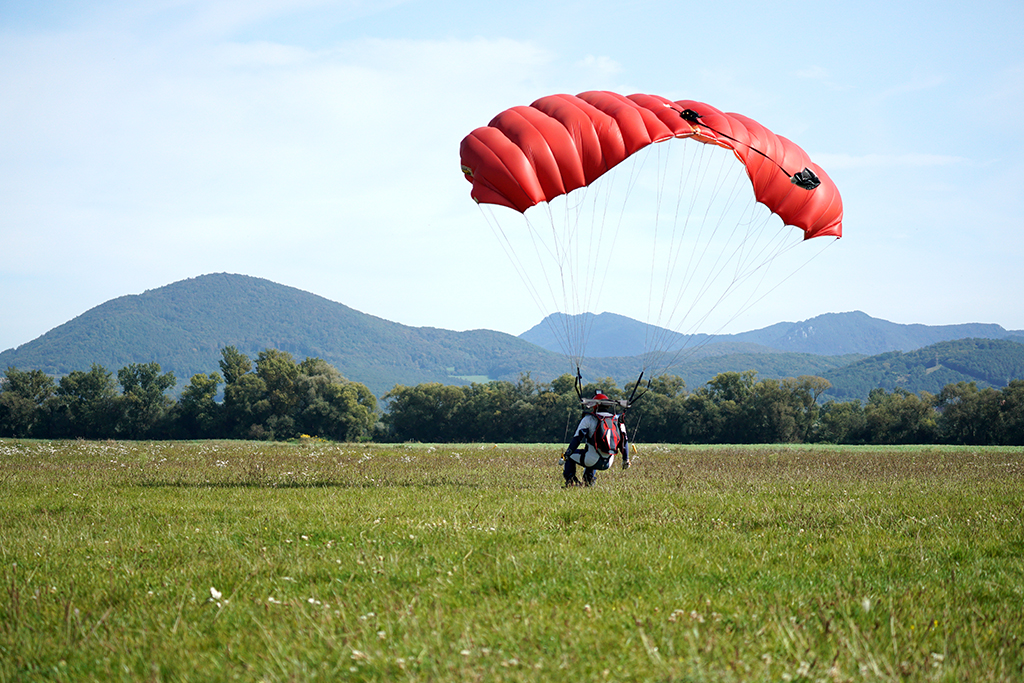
(600, 397)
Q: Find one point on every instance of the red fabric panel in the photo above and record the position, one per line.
(526, 128)
(528, 155)
(588, 127)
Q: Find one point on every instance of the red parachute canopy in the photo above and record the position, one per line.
(529, 155)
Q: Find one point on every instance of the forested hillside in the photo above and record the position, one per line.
(987, 362)
(184, 326)
(831, 334)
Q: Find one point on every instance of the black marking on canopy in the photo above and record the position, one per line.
(805, 179)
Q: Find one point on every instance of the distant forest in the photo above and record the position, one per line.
(274, 397)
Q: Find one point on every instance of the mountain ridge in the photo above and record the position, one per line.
(985, 362)
(183, 327)
(829, 334)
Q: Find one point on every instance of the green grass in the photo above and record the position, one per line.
(421, 563)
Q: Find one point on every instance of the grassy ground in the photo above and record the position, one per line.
(317, 561)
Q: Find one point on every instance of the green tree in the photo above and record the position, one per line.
(807, 391)
(734, 387)
(526, 420)
(144, 406)
(234, 364)
(701, 420)
(564, 385)
(558, 409)
(279, 373)
(899, 417)
(840, 422)
(657, 415)
(198, 415)
(1011, 411)
(22, 397)
(716, 412)
(245, 406)
(85, 404)
(605, 385)
(330, 406)
(772, 413)
(968, 415)
(281, 399)
(423, 413)
(484, 414)
(504, 412)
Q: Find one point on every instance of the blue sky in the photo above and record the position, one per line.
(315, 144)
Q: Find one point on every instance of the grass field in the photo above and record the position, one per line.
(320, 561)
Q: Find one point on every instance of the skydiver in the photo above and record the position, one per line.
(583, 451)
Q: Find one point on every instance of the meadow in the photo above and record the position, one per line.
(219, 560)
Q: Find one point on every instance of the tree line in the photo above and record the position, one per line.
(734, 407)
(275, 397)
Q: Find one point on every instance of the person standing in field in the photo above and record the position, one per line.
(599, 436)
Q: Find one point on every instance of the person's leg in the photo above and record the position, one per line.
(589, 478)
(569, 473)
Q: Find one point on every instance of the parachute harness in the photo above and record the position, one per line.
(625, 405)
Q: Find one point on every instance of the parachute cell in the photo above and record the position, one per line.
(529, 155)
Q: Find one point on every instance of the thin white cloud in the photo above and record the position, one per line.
(819, 74)
(914, 85)
(813, 72)
(224, 17)
(264, 54)
(600, 65)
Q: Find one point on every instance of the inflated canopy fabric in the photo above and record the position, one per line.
(529, 155)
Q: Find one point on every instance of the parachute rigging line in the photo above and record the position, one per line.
(585, 247)
(753, 252)
(805, 179)
(725, 198)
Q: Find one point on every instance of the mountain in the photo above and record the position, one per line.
(831, 334)
(184, 325)
(610, 334)
(857, 332)
(986, 362)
